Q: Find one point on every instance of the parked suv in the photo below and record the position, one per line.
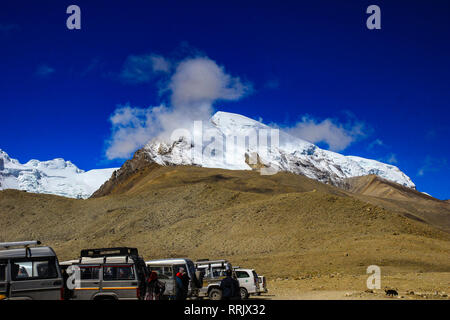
(248, 282)
(29, 273)
(212, 273)
(262, 285)
(109, 274)
(167, 270)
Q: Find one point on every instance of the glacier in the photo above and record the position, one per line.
(57, 176)
(291, 154)
(206, 146)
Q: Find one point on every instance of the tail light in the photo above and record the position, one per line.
(61, 292)
(138, 292)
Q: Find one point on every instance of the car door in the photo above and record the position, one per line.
(35, 279)
(166, 276)
(245, 280)
(3, 279)
(120, 281)
(255, 280)
(89, 284)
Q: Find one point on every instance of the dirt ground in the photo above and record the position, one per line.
(410, 286)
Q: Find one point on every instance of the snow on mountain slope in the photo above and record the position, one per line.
(290, 154)
(55, 176)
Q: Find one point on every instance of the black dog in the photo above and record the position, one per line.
(391, 292)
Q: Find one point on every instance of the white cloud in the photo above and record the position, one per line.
(160, 64)
(201, 81)
(432, 164)
(390, 158)
(93, 65)
(131, 128)
(44, 70)
(337, 136)
(375, 143)
(194, 86)
(143, 68)
(272, 84)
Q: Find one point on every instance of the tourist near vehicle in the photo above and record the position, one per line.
(212, 272)
(167, 270)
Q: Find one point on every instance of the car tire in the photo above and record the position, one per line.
(215, 294)
(244, 293)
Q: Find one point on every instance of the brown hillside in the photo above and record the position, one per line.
(138, 173)
(372, 185)
(395, 197)
(284, 225)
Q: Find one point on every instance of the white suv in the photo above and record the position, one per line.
(248, 281)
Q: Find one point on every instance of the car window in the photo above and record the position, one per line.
(255, 275)
(37, 269)
(113, 273)
(242, 274)
(163, 272)
(218, 272)
(203, 271)
(2, 271)
(90, 272)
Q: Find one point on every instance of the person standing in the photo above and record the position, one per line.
(179, 287)
(155, 288)
(230, 287)
(185, 279)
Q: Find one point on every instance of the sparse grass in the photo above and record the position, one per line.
(282, 225)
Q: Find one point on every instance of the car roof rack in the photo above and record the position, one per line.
(25, 244)
(223, 262)
(109, 252)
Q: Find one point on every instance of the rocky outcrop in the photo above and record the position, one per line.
(140, 160)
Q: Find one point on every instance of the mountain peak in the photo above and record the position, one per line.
(221, 118)
(57, 176)
(291, 154)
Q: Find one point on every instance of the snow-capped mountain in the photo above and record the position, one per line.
(55, 176)
(210, 147)
(290, 154)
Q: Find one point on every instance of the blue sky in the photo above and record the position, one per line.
(310, 65)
